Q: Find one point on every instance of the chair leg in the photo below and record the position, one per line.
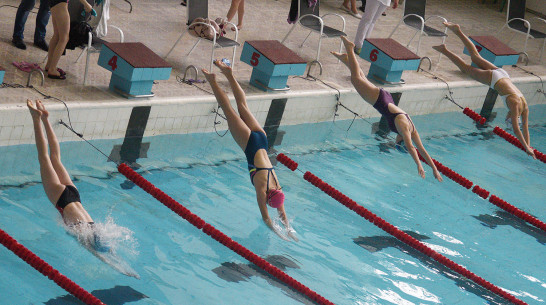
(319, 44)
(394, 29)
(233, 58)
(211, 57)
(412, 37)
(195, 45)
(45, 59)
(289, 32)
(180, 37)
(84, 49)
(542, 50)
(419, 43)
(301, 45)
(86, 67)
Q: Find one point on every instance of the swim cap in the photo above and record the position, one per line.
(275, 198)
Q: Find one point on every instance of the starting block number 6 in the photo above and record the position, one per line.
(373, 55)
(479, 48)
(254, 59)
(113, 62)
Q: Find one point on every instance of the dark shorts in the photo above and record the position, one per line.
(52, 3)
(69, 195)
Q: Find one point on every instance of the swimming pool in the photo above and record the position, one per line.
(340, 255)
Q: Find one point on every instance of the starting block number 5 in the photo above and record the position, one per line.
(254, 59)
(113, 62)
(479, 48)
(373, 55)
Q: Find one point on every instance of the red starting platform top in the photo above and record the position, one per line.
(393, 49)
(137, 55)
(494, 45)
(276, 52)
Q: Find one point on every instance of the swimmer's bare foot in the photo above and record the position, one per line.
(225, 69)
(440, 48)
(211, 77)
(40, 106)
(455, 28)
(35, 113)
(341, 56)
(239, 27)
(349, 45)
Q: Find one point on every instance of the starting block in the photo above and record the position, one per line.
(494, 50)
(389, 59)
(134, 68)
(2, 73)
(272, 63)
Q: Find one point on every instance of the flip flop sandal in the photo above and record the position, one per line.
(56, 76)
(23, 66)
(61, 71)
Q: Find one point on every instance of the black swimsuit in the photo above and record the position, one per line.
(382, 105)
(52, 3)
(69, 195)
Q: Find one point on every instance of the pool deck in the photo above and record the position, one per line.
(157, 24)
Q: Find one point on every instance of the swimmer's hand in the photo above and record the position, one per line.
(421, 171)
(438, 176)
(292, 234)
(269, 223)
(530, 152)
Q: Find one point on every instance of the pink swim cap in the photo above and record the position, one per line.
(275, 198)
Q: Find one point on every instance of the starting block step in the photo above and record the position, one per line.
(134, 67)
(389, 59)
(2, 73)
(494, 50)
(272, 63)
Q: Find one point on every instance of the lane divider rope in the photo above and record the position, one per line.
(451, 174)
(44, 268)
(514, 141)
(394, 231)
(502, 133)
(218, 235)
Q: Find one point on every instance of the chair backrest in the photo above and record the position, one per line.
(416, 7)
(516, 9)
(197, 9)
(75, 9)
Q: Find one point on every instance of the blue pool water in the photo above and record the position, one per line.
(340, 255)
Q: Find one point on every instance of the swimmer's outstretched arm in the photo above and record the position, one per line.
(522, 137)
(408, 137)
(262, 204)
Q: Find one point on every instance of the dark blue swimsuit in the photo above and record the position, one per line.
(382, 105)
(256, 141)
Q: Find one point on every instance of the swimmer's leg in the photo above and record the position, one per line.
(240, 98)
(50, 181)
(239, 130)
(481, 62)
(368, 91)
(54, 148)
(481, 75)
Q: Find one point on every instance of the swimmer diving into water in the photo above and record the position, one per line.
(56, 181)
(398, 120)
(496, 78)
(250, 136)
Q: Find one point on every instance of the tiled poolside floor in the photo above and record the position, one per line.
(157, 23)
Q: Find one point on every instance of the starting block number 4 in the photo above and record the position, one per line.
(113, 62)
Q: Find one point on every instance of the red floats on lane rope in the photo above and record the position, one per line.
(404, 237)
(485, 193)
(219, 236)
(46, 269)
(287, 162)
(475, 116)
(514, 141)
